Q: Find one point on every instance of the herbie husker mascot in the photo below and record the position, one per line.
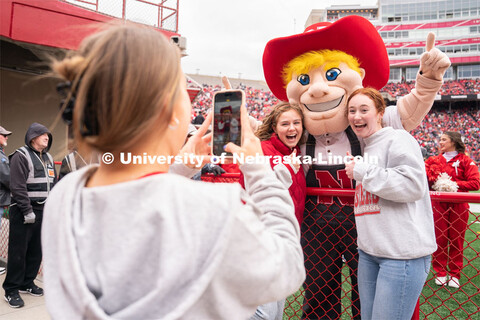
(319, 69)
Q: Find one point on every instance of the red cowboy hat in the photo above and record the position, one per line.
(354, 35)
(227, 109)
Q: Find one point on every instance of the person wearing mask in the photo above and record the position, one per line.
(175, 256)
(392, 211)
(32, 176)
(4, 178)
(451, 171)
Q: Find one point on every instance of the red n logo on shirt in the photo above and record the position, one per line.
(326, 180)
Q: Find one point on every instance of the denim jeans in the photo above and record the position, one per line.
(3, 210)
(389, 288)
(269, 311)
(1, 215)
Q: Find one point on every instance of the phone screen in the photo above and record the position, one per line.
(226, 120)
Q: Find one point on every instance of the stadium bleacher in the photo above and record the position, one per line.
(463, 120)
(258, 101)
(450, 87)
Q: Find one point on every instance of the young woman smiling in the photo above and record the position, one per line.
(393, 213)
(281, 133)
(451, 219)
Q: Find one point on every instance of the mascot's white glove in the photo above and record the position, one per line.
(29, 218)
(444, 183)
(433, 62)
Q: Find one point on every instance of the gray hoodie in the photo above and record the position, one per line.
(393, 211)
(167, 247)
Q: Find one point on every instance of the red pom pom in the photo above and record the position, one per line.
(434, 166)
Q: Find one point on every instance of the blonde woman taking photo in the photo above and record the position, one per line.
(137, 242)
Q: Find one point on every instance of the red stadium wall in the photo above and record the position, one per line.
(432, 25)
(416, 62)
(30, 32)
(49, 23)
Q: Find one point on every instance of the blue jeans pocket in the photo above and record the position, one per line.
(427, 260)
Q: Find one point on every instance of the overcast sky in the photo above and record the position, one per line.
(228, 37)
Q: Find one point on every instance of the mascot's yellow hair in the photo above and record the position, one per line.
(313, 59)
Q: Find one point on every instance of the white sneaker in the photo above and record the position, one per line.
(454, 282)
(441, 281)
(2, 270)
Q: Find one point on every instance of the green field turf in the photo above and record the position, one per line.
(435, 302)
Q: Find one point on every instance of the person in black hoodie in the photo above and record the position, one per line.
(32, 176)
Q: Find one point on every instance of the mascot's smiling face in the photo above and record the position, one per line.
(320, 67)
(321, 83)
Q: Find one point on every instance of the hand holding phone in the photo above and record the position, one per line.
(199, 144)
(226, 119)
(250, 144)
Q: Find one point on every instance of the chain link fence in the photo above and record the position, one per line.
(330, 290)
(333, 291)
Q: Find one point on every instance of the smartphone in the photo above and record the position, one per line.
(226, 120)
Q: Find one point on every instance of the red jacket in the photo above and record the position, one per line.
(298, 189)
(461, 168)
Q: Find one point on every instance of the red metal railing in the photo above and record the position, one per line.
(436, 302)
(159, 13)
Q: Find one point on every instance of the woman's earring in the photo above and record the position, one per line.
(174, 126)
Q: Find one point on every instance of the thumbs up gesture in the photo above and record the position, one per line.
(349, 166)
(433, 62)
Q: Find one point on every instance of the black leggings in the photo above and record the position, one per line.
(24, 251)
(326, 246)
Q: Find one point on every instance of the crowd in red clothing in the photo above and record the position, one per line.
(450, 87)
(258, 101)
(396, 89)
(437, 121)
(464, 121)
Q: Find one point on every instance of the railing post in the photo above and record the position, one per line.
(176, 25)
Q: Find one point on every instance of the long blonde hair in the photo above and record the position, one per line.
(123, 79)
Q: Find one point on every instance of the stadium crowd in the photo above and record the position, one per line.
(450, 87)
(259, 101)
(464, 120)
